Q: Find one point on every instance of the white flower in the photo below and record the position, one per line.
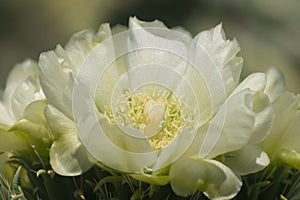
(252, 158)
(164, 101)
(57, 71)
(22, 105)
(282, 144)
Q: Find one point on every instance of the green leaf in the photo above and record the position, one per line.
(11, 191)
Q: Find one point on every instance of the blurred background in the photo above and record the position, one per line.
(268, 31)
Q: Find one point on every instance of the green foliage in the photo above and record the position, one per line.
(11, 191)
(274, 182)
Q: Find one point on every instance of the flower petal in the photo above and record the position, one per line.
(149, 43)
(22, 88)
(275, 83)
(288, 157)
(25, 93)
(174, 150)
(18, 74)
(124, 139)
(152, 179)
(63, 64)
(34, 126)
(264, 117)
(232, 126)
(82, 43)
(58, 90)
(255, 82)
(67, 156)
(286, 126)
(223, 53)
(250, 159)
(187, 175)
(6, 120)
(12, 141)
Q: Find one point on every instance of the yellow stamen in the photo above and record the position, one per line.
(155, 111)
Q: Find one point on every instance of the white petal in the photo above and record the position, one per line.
(34, 126)
(264, 117)
(82, 43)
(250, 159)
(12, 141)
(18, 75)
(25, 93)
(223, 53)
(288, 157)
(286, 126)
(255, 82)
(67, 155)
(151, 44)
(275, 83)
(6, 120)
(231, 128)
(155, 23)
(124, 139)
(159, 47)
(58, 68)
(187, 175)
(174, 150)
(95, 140)
(56, 81)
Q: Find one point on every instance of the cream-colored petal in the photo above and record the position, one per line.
(275, 83)
(6, 120)
(155, 23)
(125, 138)
(34, 127)
(174, 150)
(58, 69)
(250, 159)
(67, 155)
(288, 157)
(25, 93)
(286, 126)
(57, 82)
(215, 180)
(19, 74)
(255, 82)
(264, 117)
(12, 141)
(152, 179)
(223, 53)
(82, 43)
(158, 47)
(231, 128)
(150, 44)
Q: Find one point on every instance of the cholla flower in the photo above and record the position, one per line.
(154, 103)
(282, 143)
(22, 122)
(253, 154)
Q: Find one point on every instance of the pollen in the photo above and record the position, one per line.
(155, 111)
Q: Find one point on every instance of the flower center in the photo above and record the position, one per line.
(155, 111)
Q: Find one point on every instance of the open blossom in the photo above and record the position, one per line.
(22, 122)
(156, 104)
(252, 157)
(282, 144)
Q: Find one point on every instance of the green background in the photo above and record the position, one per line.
(268, 31)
